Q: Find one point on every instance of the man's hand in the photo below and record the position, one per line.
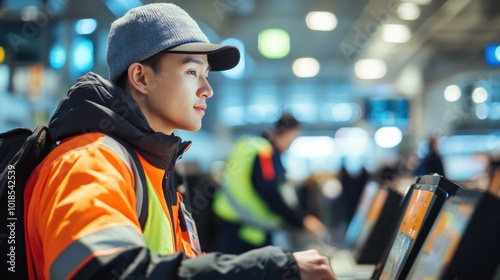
(314, 266)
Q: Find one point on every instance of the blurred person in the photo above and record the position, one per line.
(432, 162)
(83, 202)
(249, 202)
(315, 189)
(353, 177)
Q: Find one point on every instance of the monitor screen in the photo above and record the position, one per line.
(372, 216)
(382, 111)
(409, 229)
(494, 184)
(365, 202)
(442, 241)
(380, 223)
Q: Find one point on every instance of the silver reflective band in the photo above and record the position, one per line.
(81, 249)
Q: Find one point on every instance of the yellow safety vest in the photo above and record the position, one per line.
(237, 201)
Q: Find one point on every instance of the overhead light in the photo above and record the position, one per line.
(368, 69)
(274, 43)
(492, 54)
(408, 11)
(396, 33)
(418, 2)
(321, 21)
(352, 141)
(85, 26)
(83, 54)
(313, 146)
(305, 67)
(452, 93)
(388, 137)
(410, 80)
(57, 57)
(482, 111)
(340, 112)
(479, 95)
(343, 112)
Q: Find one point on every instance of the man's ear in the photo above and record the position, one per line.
(137, 77)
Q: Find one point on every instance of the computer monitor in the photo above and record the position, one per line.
(494, 184)
(421, 206)
(464, 243)
(362, 209)
(377, 226)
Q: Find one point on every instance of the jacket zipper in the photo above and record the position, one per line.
(169, 205)
(167, 183)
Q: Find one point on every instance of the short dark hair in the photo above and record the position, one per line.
(152, 61)
(286, 122)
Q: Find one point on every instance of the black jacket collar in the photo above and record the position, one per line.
(94, 104)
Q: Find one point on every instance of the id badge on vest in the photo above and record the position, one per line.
(191, 228)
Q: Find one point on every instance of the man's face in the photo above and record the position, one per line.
(177, 93)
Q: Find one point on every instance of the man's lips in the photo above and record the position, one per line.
(201, 108)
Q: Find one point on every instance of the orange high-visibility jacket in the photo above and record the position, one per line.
(82, 206)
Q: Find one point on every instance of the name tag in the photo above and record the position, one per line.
(191, 228)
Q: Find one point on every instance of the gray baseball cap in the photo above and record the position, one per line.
(153, 28)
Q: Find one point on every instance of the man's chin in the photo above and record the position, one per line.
(193, 128)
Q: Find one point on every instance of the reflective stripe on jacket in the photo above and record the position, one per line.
(82, 205)
(238, 201)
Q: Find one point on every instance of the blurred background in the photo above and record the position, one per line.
(370, 80)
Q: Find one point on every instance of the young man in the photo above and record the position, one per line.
(85, 202)
(249, 203)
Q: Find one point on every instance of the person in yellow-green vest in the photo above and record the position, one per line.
(249, 202)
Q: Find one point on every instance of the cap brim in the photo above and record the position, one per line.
(220, 57)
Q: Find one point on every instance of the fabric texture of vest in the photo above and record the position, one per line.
(238, 202)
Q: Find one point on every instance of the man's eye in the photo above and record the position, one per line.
(192, 72)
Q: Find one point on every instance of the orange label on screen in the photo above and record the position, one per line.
(447, 232)
(377, 205)
(415, 212)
